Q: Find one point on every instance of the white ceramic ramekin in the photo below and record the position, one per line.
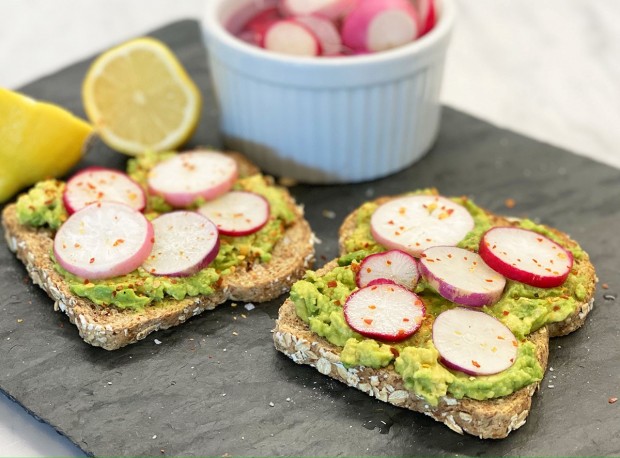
(327, 120)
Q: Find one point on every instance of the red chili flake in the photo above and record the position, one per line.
(489, 280)
(395, 352)
(86, 281)
(535, 260)
(612, 400)
(605, 286)
(372, 307)
(113, 293)
(92, 260)
(337, 302)
(475, 363)
(77, 245)
(512, 360)
(417, 243)
(368, 321)
(423, 255)
(391, 222)
(465, 258)
(556, 308)
(547, 269)
(388, 262)
(332, 284)
(449, 256)
(368, 269)
(355, 268)
(100, 195)
(515, 343)
(90, 185)
(152, 239)
(450, 211)
(500, 338)
(506, 313)
(402, 210)
(428, 240)
(539, 239)
(396, 233)
(401, 332)
(406, 320)
(509, 203)
(118, 242)
(430, 260)
(373, 288)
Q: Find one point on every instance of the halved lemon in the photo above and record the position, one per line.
(139, 97)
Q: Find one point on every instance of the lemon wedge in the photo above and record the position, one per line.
(139, 97)
(37, 140)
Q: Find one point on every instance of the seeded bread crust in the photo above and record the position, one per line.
(112, 328)
(573, 322)
(491, 419)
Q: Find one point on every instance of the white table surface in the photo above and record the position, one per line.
(549, 70)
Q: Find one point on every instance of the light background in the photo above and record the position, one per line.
(550, 70)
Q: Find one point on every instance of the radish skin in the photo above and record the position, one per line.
(379, 25)
(237, 213)
(185, 242)
(330, 9)
(461, 276)
(526, 256)
(325, 31)
(473, 342)
(100, 184)
(290, 37)
(103, 240)
(395, 266)
(186, 177)
(415, 223)
(384, 311)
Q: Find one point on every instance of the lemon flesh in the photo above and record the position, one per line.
(139, 97)
(37, 141)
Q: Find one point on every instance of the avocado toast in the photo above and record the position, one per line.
(313, 329)
(115, 312)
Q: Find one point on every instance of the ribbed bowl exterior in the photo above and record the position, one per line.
(341, 120)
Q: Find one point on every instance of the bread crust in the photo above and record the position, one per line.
(573, 322)
(112, 328)
(490, 419)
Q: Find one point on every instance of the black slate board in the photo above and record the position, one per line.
(204, 391)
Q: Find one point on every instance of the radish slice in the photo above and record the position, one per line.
(103, 240)
(186, 177)
(185, 242)
(379, 25)
(473, 342)
(254, 30)
(237, 212)
(427, 13)
(461, 276)
(330, 9)
(98, 184)
(291, 37)
(526, 256)
(325, 31)
(385, 311)
(395, 266)
(414, 223)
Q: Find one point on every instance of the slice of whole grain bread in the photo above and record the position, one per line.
(490, 419)
(573, 322)
(112, 328)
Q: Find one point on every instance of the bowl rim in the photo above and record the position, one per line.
(216, 29)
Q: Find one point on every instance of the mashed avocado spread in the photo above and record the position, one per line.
(318, 301)
(42, 206)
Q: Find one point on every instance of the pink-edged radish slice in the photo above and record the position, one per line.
(427, 13)
(254, 30)
(186, 177)
(473, 342)
(237, 213)
(461, 276)
(103, 240)
(415, 223)
(330, 9)
(291, 37)
(185, 242)
(394, 265)
(253, 12)
(381, 281)
(99, 184)
(379, 25)
(385, 311)
(526, 256)
(325, 31)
